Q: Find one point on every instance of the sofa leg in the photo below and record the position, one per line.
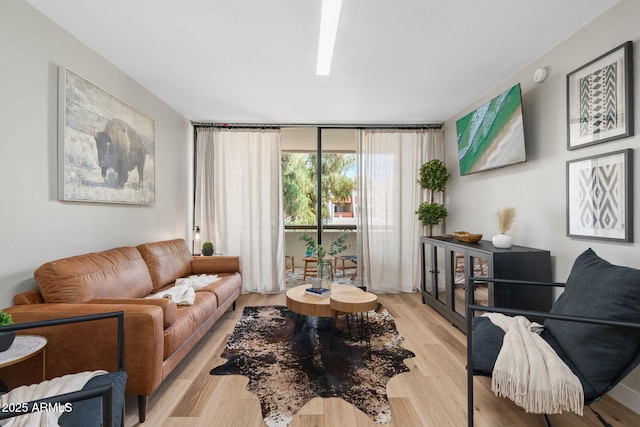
(234, 306)
(142, 407)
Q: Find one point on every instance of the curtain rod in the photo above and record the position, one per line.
(324, 126)
(236, 125)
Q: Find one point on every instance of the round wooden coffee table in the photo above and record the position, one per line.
(344, 300)
(302, 303)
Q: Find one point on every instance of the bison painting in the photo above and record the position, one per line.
(120, 149)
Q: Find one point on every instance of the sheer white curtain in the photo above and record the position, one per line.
(388, 171)
(238, 203)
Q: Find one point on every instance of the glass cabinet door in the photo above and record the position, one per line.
(482, 291)
(459, 281)
(428, 269)
(440, 285)
(469, 263)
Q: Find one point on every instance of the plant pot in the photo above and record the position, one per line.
(502, 241)
(6, 340)
(207, 252)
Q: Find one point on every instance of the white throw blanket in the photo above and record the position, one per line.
(529, 372)
(184, 291)
(53, 387)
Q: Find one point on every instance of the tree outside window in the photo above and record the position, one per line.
(299, 186)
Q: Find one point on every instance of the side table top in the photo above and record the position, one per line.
(22, 348)
(353, 302)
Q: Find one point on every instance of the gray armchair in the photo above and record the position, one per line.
(594, 327)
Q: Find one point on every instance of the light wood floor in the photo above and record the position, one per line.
(432, 394)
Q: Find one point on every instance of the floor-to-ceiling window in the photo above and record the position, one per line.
(319, 198)
(325, 182)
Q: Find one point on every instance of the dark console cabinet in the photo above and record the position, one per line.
(447, 263)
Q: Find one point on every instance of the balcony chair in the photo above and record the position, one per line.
(100, 402)
(594, 326)
(341, 259)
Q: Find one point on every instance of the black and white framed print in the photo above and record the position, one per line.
(600, 99)
(106, 148)
(600, 196)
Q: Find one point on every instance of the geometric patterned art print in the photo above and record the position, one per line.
(599, 101)
(599, 196)
(600, 204)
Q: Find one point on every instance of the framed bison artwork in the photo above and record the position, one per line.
(106, 148)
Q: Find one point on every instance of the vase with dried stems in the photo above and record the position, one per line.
(505, 220)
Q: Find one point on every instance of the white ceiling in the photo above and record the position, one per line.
(253, 61)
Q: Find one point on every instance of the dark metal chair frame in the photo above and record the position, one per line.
(105, 392)
(472, 308)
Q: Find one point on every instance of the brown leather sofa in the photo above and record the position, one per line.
(158, 333)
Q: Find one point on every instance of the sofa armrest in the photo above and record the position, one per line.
(168, 306)
(91, 346)
(215, 264)
(30, 297)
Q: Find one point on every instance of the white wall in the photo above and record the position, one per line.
(34, 226)
(537, 188)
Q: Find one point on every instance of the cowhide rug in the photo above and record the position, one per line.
(287, 371)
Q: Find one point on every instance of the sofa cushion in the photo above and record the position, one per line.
(167, 261)
(115, 273)
(167, 305)
(589, 393)
(227, 287)
(487, 342)
(215, 264)
(188, 320)
(596, 288)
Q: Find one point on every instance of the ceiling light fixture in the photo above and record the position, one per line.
(328, 29)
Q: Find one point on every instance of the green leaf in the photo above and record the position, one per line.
(5, 319)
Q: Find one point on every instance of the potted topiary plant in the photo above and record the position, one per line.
(207, 248)
(434, 176)
(6, 338)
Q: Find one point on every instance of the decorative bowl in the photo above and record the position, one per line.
(465, 236)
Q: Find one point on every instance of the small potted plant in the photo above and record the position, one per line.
(207, 248)
(6, 338)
